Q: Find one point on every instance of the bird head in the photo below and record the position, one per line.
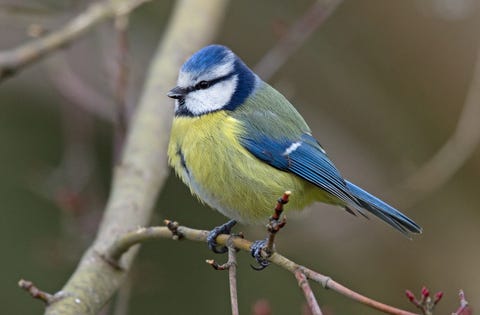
(212, 79)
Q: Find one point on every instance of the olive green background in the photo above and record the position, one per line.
(381, 83)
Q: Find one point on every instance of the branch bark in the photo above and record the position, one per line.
(142, 169)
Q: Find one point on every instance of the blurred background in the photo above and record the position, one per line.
(383, 84)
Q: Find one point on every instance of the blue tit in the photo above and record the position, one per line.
(238, 144)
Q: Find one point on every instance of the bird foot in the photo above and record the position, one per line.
(212, 236)
(260, 253)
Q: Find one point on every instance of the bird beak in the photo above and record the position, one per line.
(177, 92)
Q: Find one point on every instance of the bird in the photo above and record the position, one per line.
(238, 144)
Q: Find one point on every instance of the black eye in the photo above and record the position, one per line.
(202, 85)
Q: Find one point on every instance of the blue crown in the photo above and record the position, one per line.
(207, 57)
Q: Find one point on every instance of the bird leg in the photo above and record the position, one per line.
(212, 236)
(261, 250)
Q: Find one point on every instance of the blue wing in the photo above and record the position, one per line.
(306, 158)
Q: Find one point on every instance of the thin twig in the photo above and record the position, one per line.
(276, 57)
(231, 266)
(276, 222)
(15, 59)
(232, 277)
(35, 292)
(115, 251)
(307, 291)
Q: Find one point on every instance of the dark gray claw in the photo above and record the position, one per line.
(212, 236)
(256, 251)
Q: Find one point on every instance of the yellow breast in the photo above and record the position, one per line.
(206, 154)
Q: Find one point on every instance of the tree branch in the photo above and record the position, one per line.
(231, 266)
(125, 242)
(307, 291)
(15, 59)
(142, 169)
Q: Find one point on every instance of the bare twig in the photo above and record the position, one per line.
(232, 277)
(262, 249)
(307, 291)
(15, 59)
(276, 222)
(231, 266)
(315, 16)
(150, 233)
(35, 292)
(455, 151)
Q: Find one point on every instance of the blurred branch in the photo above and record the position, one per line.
(114, 253)
(122, 300)
(15, 59)
(143, 168)
(307, 291)
(76, 90)
(121, 84)
(296, 36)
(454, 152)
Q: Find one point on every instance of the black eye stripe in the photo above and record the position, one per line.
(210, 83)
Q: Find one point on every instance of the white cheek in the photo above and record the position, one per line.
(214, 98)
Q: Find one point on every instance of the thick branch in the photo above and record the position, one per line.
(15, 59)
(142, 169)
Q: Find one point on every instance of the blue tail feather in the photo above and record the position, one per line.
(384, 211)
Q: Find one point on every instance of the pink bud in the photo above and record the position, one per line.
(425, 292)
(438, 297)
(410, 295)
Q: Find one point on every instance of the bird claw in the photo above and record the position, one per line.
(212, 236)
(256, 251)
